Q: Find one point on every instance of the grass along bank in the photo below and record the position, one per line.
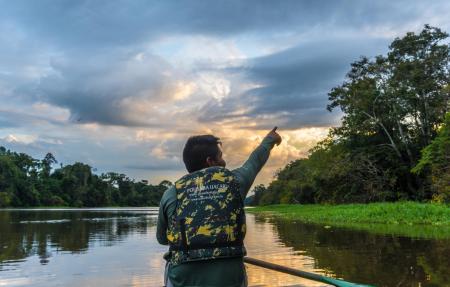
(401, 218)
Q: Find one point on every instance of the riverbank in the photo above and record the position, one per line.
(403, 218)
(79, 208)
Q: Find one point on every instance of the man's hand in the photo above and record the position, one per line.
(273, 134)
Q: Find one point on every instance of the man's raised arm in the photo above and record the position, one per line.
(246, 174)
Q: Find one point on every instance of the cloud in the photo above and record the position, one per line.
(291, 86)
(31, 144)
(105, 23)
(117, 89)
(157, 166)
(239, 143)
(6, 121)
(123, 84)
(102, 64)
(33, 116)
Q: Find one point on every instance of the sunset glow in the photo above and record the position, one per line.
(121, 86)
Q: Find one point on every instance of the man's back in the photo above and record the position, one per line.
(214, 272)
(209, 220)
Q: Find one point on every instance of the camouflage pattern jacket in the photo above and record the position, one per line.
(209, 221)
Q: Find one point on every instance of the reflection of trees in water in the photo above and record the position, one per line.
(382, 260)
(436, 264)
(28, 233)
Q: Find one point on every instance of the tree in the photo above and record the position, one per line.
(393, 105)
(397, 101)
(46, 164)
(435, 162)
(25, 181)
(17, 189)
(258, 192)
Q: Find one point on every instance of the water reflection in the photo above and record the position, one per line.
(262, 242)
(382, 260)
(117, 247)
(79, 248)
(41, 232)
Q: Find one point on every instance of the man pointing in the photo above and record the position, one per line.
(202, 216)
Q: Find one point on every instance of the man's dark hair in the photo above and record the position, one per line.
(198, 149)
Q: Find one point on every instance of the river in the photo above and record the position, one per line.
(117, 247)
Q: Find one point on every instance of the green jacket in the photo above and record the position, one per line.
(227, 272)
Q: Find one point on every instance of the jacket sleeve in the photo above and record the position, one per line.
(247, 173)
(167, 207)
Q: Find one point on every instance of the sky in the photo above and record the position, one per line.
(121, 85)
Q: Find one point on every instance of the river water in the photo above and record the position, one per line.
(117, 247)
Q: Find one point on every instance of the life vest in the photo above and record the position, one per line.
(209, 220)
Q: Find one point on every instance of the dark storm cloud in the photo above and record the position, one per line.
(94, 37)
(294, 83)
(76, 24)
(104, 89)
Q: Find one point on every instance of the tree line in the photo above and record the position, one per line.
(29, 182)
(394, 140)
(393, 144)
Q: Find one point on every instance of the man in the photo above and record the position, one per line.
(202, 218)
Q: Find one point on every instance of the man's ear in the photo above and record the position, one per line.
(210, 161)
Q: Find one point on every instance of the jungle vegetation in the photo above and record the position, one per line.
(418, 219)
(394, 141)
(28, 182)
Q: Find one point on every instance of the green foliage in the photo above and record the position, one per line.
(26, 182)
(436, 162)
(399, 213)
(393, 106)
(5, 199)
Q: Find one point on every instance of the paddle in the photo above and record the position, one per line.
(300, 273)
